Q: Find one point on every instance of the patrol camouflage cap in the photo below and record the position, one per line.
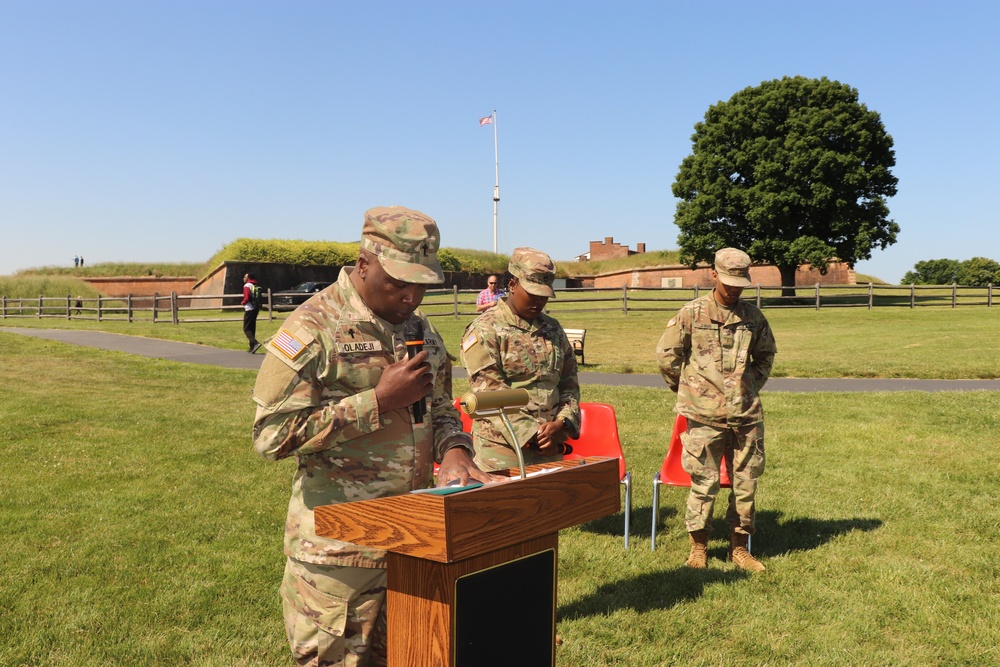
(733, 267)
(406, 243)
(534, 270)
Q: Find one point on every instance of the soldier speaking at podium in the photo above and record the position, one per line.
(337, 391)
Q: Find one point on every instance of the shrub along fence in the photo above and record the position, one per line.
(176, 309)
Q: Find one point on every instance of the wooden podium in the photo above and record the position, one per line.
(472, 575)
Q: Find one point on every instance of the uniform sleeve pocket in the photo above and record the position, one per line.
(275, 385)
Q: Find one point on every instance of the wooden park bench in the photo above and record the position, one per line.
(576, 338)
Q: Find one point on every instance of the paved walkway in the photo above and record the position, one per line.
(213, 356)
(146, 347)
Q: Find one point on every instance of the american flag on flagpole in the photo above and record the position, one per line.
(486, 121)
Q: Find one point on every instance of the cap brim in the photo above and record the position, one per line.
(733, 281)
(420, 274)
(537, 290)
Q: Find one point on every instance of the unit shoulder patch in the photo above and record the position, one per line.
(469, 341)
(475, 356)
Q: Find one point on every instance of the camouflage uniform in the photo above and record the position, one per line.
(316, 401)
(501, 350)
(717, 359)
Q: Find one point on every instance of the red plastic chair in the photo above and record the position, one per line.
(466, 419)
(599, 437)
(672, 473)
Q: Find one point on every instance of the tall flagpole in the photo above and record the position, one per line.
(496, 187)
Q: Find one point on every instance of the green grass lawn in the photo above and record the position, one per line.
(930, 343)
(940, 343)
(140, 528)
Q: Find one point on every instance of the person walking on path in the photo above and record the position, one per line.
(716, 354)
(251, 308)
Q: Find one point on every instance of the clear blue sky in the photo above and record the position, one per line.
(162, 130)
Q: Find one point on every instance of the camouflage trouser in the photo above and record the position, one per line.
(704, 449)
(500, 456)
(334, 616)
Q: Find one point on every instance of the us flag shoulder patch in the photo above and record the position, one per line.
(288, 344)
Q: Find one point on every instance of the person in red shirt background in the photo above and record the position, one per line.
(251, 307)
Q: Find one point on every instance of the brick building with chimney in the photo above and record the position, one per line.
(608, 249)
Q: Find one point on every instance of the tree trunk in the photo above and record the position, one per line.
(787, 280)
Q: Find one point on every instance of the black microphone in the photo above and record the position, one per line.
(413, 334)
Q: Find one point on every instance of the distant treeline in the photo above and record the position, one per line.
(975, 272)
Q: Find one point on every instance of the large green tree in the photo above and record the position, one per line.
(794, 170)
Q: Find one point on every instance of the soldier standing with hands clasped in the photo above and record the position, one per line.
(514, 344)
(335, 391)
(716, 354)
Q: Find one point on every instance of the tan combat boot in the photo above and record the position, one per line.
(698, 558)
(739, 554)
